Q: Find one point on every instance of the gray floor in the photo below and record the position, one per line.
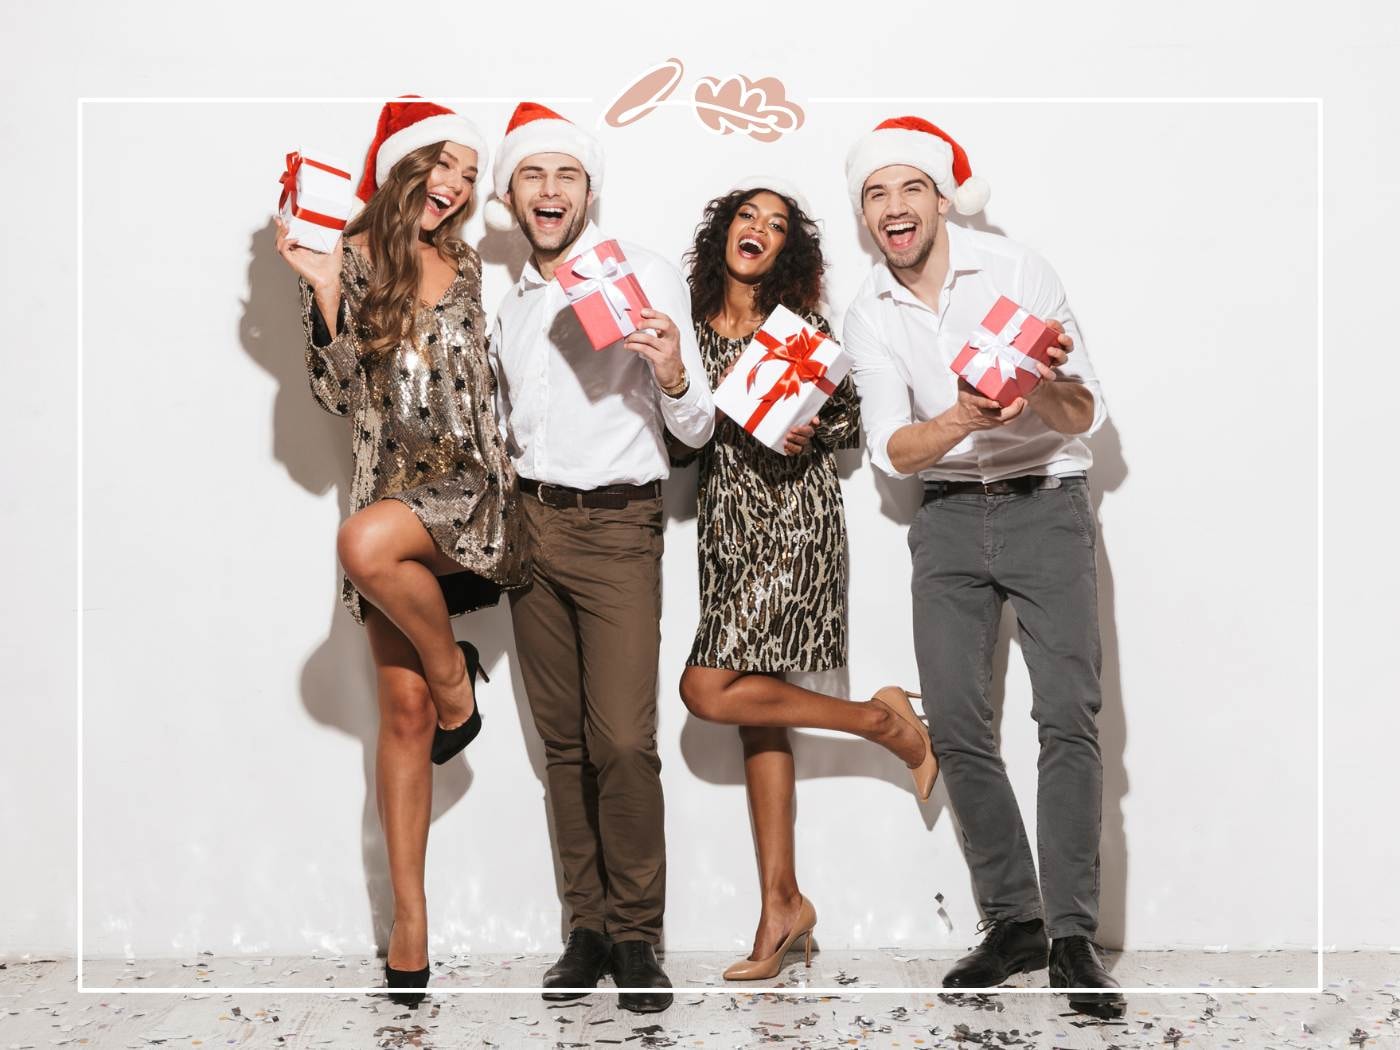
(40, 1006)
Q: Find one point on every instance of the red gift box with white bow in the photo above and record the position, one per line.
(604, 293)
(999, 358)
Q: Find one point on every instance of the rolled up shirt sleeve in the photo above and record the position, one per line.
(1046, 299)
(885, 404)
(690, 417)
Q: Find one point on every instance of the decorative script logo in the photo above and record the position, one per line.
(724, 105)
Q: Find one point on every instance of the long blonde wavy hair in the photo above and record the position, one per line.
(390, 224)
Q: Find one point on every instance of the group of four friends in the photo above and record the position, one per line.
(512, 458)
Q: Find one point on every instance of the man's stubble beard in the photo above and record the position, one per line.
(567, 237)
(915, 256)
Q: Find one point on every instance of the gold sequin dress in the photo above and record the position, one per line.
(424, 429)
(772, 537)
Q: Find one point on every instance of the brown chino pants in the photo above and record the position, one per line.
(588, 634)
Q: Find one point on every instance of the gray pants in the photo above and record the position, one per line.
(970, 553)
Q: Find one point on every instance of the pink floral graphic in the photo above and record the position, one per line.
(645, 93)
(758, 108)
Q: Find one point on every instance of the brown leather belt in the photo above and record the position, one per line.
(1005, 487)
(610, 497)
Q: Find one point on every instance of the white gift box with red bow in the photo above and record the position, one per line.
(782, 378)
(318, 197)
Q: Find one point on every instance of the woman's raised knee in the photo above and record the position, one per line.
(701, 693)
(360, 546)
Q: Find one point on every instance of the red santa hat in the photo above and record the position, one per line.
(408, 123)
(534, 128)
(916, 142)
(774, 184)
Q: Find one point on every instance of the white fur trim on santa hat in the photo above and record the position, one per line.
(441, 127)
(777, 185)
(546, 135)
(919, 149)
(541, 135)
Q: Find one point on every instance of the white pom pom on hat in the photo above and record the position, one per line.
(916, 142)
(535, 128)
(408, 123)
(775, 184)
(498, 216)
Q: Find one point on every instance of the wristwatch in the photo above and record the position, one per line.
(680, 388)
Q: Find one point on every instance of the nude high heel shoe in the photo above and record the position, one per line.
(765, 969)
(926, 772)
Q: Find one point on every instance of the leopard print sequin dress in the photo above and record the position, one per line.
(423, 416)
(772, 537)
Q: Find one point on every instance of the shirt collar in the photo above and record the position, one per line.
(962, 253)
(962, 258)
(589, 238)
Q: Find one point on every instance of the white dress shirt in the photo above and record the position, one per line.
(586, 418)
(902, 352)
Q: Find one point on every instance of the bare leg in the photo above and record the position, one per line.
(404, 783)
(738, 698)
(393, 561)
(771, 782)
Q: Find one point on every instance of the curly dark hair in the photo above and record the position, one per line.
(795, 280)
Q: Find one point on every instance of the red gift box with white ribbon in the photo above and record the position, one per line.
(604, 293)
(999, 358)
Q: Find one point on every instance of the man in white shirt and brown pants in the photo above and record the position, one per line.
(1006, 515)
(587, 430)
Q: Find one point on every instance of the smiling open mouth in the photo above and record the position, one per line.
(750, 247)
(549, 217)
(439, 204)
(900, 234)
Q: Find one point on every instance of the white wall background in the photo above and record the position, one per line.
(228, 714)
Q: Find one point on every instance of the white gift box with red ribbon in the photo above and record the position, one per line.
(318, 197)
(782, 378)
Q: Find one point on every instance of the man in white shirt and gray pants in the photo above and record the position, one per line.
(1006, 516)
(586, 431)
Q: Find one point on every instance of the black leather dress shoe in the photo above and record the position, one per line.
(1010, 947)
(1075, 964)
(634, 965)
(585, 959)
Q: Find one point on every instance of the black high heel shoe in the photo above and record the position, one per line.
(405, 979)
(448, 742)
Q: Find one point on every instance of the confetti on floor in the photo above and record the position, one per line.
(41, 1007)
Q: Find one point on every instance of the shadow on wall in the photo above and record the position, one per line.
(337, 683)
(1109, 472)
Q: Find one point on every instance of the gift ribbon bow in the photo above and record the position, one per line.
(289, 192)
(994, 350)
(796, 350)
(601, 276)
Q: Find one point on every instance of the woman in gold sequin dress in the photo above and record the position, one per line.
(396, 342)
(772, 551)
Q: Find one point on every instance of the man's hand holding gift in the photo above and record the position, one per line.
(1066, 407)
(660, 343)
(973, 411)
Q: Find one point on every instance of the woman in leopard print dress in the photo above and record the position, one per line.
(772, 546)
